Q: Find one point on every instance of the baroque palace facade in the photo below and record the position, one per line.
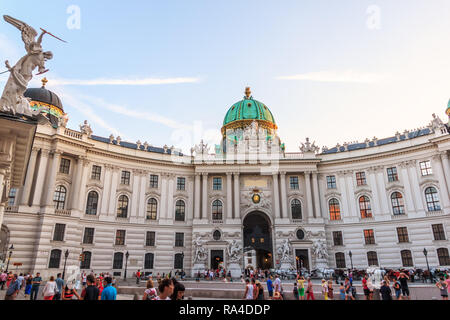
(135, 206)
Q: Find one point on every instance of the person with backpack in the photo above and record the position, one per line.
(443, 287)
(138, 276)
(397, 289)
(385, 291)
(295, 291)
(150, 293)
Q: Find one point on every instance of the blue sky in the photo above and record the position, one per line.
(322, 67)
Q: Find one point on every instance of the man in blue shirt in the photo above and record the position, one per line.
(13, 289)
(270, 287)
(59, 285)
(109, 292)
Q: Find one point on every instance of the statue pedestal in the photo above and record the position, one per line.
(321, 264)
(235, 270)
(285, 266)
(198, 267)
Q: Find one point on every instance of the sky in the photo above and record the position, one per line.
(166, 72)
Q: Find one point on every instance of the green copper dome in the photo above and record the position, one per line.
(248, 110)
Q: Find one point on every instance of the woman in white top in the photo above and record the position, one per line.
(248, 295)
(49, 289)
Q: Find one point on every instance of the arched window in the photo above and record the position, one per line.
(217, 210)
(431, 195)
(92, 203)
(364, 207)
(55, 258)
(296, 209)
(122, 207)
(335, 209)
(118, 260)
(178, 261)
(179, 210)
(443, 257)
(152, 209)
(86, 260)
(406, 258)
(59, 198)
(148, 261)
(372, 258)
(340, 260)
(398, 206)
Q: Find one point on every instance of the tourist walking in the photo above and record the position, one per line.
(90, 292)
(109, 292)
(301, 287)
(50, 289)
(443, 287)
(28, 285)
(309, 290)
(404, 285)
(150, 292)
(366, 287)
(35, 284)
(330, 290)
(342, 291)
(3, 277)
(324, 289)
(269, 287)
(165, 289)
(259, 295)
(248, 294)
(385, 291)
(348, 290)
(397, 289)
(59, 287)
(69, 292)
(13, 289)
(295, 291)
(138, 276)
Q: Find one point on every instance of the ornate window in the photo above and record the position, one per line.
(180, 210)
(85, 260)
(406, 258)
(178, 261)
(431, 195)
(398, 205)
(296, 209)
(150, 239)
(179, 239)
(443, 257)
(438, 232)
(88, 237)
(153, 181)
(125, 178)
(369, 236)
(217, 210)
(293, 183)
(372, 258)
(59, 198)
(12, 196)
(402, 234)
(340, 260)
(152, 208)
(96, 172)
(60, 229)
(392, 174)
(92, 203)
(55, 258)
(148, 260)
(331, 182)
(64, 166)
(334, 209)
(361, 178)
(120, 237)
(337, 238)
(217, 183)
(122, 206)
(364, 207)
(181, 183)
(118, 260)
(217, 235)
(425, 168)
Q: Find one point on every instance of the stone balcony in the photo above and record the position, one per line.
(63, 212)
(12, 209)
(434, 213)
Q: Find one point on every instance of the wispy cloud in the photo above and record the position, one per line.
(124, 81)
(9, 50)
(336, 76)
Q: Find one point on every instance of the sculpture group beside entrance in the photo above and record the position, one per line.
(284, 253)
(200, 256)
(234, 252)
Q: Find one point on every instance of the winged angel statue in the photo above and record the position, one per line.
(12, 99)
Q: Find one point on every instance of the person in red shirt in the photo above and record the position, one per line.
(100, 287)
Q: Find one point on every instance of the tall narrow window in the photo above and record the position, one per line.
(340, 260)
(217, 183)
(12, 196)
(152, 209)
(178, 261)
(425, 168)
(335, 209)
(331, 182)
(120, 237)
(364, 207)
(293, 183)
(125, 178)
(361, 178)
(55, 258)
(181, 183)
(369, 236)
(88, 237)
(179, 239)
(96, 172)
(148, 260)
(150, 239)
(402, 234)
(296, 209)
(372, 258)
(118, 260)
(92, 203)
(85, 260)
(153, 181)
(438, 232)
(64, 166)
(59, 198)
(431, 195)
(392, 174)
(122, 207)
(337, 238)
(179, 210)
(217, 210)
(398, 205)
(443, 257)
(406, 258)
(60, 229)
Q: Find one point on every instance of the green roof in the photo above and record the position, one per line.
(248, 109)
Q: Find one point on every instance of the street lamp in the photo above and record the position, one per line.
(351, 260)
(66, 255)
(425, 253)
(126, 265)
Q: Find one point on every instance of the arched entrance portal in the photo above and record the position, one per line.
(258, 236)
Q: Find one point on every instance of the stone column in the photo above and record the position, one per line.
(351, 194)
(229, 197)
(385, 202)
(105, 194)
(52, 178)
(113, 191)
(205, 195)
(170, 191)
(276, 196)
(25, 197)
(142, 204)
(376, 201)
(446, 167)
(413, 173)
(163, 209)
(345, 207)
(134, 212)
(284, 213)
(441, 177)
(82, 189)
(197, 196)
(404, 178)
(316, 195)
(309, 205)
(76, 177)
(42, 171)
(237, 206)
